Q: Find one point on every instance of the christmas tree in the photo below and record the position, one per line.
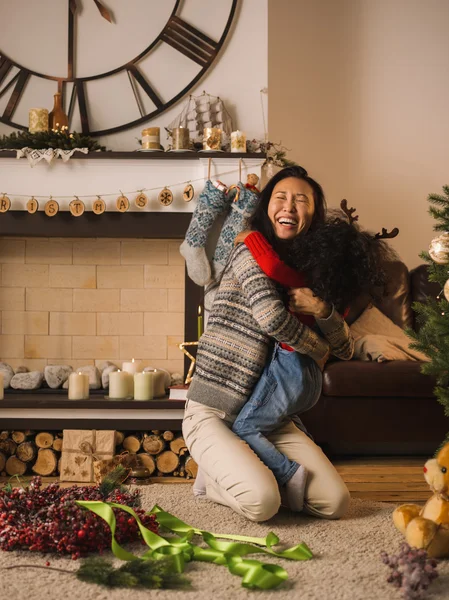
(433, 316)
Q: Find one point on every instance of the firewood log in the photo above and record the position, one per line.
(46, 462)
(15, 466)
(168, 436)
(57, 444)
(191, 468)
(153, 444)
(156, 431)
(167, 461)
(8, 446)
(132, 443)
(18, 436)
(148, 461)
(44, 439)
(58, 467)
(2, 461)
(26, 451)
(119, 437)
(4, 435)
(177, 444)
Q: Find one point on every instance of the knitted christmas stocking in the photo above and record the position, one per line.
(242, 207)
(211, 203)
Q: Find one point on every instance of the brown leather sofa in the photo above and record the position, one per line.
(370, 408)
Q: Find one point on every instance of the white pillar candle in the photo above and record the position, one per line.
(131, 368)
(78, 386)
(2, 390)
(143, 385)
(238, 141)
(119, 384)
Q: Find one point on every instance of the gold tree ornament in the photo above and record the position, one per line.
(439, 249)
(188, 193)
(165, 197)
(192, 359)
(5, 204)
(122, 204)
(51, 208)
(446, 290)
(141, 200)
(77, 207)
(32, 205)
(98, 206)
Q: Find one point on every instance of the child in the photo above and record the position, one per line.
(338, 262)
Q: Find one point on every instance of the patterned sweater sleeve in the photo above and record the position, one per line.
(268, 309)
(336, 331)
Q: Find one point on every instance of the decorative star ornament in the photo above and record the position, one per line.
(192, 359)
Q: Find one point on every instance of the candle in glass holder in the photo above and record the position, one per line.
(238, 141)
(119, 384)
(180, 137)
(78, 386)
(200, 323)
(144, 385)
(212, 138)
(37, 120)
(151, 138)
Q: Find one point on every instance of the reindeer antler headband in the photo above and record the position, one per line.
(379, 236)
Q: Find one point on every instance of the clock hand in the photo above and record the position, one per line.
(105, 13)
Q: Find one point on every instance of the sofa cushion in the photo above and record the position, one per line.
(378, 338)
(394, 378)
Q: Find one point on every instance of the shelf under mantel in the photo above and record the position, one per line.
(153, 155)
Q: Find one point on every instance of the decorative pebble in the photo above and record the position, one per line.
(176, 379)
(21, 369)
(27, 381)
(8, 374)
(94, 376)
(56, 375)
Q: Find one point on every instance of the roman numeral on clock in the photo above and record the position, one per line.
(20, 80)
(78, 91)
(189, 41)
(135, 76)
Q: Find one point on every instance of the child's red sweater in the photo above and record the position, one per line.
(276, 269)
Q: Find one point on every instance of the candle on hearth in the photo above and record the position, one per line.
(200, 323)
(131, 368)
(119, 384)
(2, 390)
(158, 381)
(151, 138)
(238, 141)
(144, 385)
(78, 386)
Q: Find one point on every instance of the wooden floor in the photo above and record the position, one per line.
(385, 479)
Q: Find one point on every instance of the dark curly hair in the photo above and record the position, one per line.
(260, 221)
(341, 262)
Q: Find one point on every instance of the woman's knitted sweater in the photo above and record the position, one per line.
(247, 313)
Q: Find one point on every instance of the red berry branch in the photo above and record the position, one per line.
(48, 520)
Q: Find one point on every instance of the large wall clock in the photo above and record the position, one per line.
(116, 66)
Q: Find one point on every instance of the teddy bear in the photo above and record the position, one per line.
(427, 527)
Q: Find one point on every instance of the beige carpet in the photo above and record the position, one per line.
(346, 563)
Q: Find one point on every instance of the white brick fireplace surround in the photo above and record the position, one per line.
(82, 290)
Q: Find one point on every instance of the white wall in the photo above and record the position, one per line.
(359, 91)
(35, 34)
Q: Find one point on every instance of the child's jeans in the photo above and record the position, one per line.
(290, 384)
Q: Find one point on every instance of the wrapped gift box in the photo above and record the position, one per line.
(80, 449)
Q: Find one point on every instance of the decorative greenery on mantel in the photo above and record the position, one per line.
(41, 140)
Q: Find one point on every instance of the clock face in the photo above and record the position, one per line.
(117, 64)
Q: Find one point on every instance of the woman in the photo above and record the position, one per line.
(248, 313)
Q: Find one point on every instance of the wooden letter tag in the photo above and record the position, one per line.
(122, 204)
(5, 204)
(77, 207)
(141, 200)
(188, 193)
(51, 208)
(99, 206)
(165, 197)
(32, 205)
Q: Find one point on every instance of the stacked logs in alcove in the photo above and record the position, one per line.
(28, 452)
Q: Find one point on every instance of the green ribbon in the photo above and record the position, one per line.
(254, 573)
